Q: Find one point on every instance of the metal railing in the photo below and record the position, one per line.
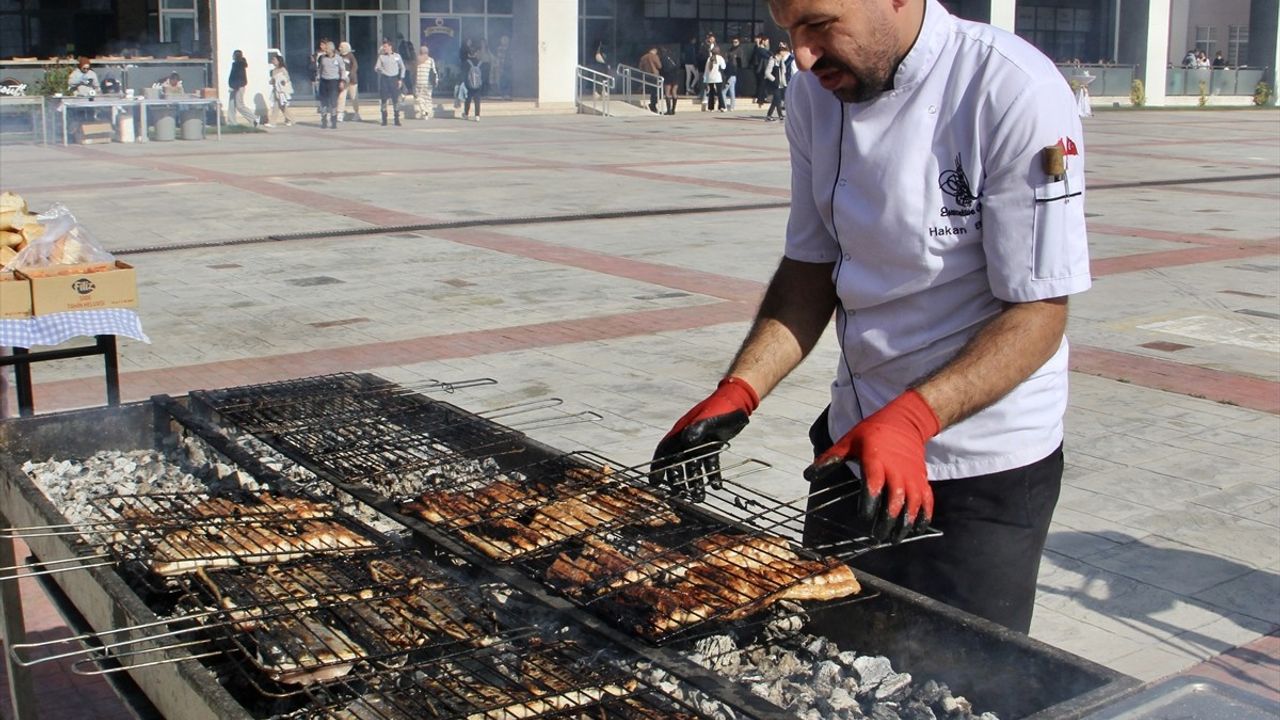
(592, 89)
(1111, 80)
(638, 82)
(1216, 81)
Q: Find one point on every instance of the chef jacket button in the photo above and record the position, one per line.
(851, 311)
(933, 109)
(847, 256)
(857, 376)
(843, 182)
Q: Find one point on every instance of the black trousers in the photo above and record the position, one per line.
(994, 530)
(389, 92)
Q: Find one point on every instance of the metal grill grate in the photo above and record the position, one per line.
(519, 680)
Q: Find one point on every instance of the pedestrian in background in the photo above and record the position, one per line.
(332, 72)
(689, 58)
(735, 61)
(350, 89)
(760, 58)
(651, 64)
(425, 78)
(408, 56)
(390, 71)
(501, 70)
(472, 79)
(670, 80)
(781, 68)
(237, 81)
(713, 79)
(281, 90)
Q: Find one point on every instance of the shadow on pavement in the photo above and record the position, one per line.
(1127, 598)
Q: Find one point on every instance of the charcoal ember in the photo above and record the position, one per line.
(930, 692)
(884, 711)
(719, 653)
(839, 702)
(870, 671)
(957, 706)
(917, 710)
(827, 678)
(894, 686)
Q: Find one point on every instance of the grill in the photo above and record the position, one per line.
(405, 445)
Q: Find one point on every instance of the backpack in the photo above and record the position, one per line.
(475, 76)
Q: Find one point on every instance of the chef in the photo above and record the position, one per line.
(937, 210)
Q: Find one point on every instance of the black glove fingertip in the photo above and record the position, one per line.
(868, 506)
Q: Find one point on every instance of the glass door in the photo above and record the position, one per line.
(297, 44)
(362, 33)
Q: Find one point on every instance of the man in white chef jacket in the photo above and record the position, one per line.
(928, 217)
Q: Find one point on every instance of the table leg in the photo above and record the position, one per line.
(142, 127)
(63, 110)
(217, 113)
(22, 376)
(21, 691)
(111, 363)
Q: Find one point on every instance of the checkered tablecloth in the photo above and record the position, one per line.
(57, 328)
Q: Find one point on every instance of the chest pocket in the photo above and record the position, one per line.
(1058, 229)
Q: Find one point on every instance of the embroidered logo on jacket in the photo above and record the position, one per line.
(956, 184)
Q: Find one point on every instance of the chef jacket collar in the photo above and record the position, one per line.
(924, 53)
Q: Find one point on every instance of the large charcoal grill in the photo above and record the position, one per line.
(997, 670)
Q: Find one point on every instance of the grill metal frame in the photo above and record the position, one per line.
(918, 634)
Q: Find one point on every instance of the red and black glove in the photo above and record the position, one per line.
(689, 454)
(889, 445)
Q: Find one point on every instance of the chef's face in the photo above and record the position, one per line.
(852, 46)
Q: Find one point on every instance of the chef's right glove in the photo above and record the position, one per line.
(682, 461)
(889, 445)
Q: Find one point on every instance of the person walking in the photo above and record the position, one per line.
(501, 70)
(713, 79)
(760, 57)
(670, 80)
(729, 91)
(349, 90)
(425, 80)
(651, 64)
(472, 79)
(237, 81)
(332, 71)
(951, 385)
(390, 71)
(689, 59)
(781, 68)
(281, 90)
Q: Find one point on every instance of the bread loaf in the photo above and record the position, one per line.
(10, 238)
(12, 202)
(32, 230)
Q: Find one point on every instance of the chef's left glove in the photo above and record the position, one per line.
(889, 445)
(687, 456)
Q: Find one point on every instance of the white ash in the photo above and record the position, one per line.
(812, 677)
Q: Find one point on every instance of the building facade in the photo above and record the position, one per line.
(548, 38)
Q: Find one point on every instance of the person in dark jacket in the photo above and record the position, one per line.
(237, 81)
(760, 58)
(692, 70)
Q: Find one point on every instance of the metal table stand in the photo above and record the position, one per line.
(22, 358)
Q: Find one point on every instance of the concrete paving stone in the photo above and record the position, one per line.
(1267, 511)
(1247, 541)
(1256, 594)
(1080, 536)
(1168, 564)
(1072, 635)
(1236, 498)
(1216, 470)
(1152, 663)
(1140, 486)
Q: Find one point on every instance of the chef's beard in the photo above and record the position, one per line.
(875, 75)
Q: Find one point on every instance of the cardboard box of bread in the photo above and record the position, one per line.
(63, 267)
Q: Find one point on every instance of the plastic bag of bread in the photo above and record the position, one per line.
(53, 239)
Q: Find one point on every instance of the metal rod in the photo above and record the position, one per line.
(55, 571)
(75, 668)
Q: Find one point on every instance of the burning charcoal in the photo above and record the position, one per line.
(839, 702)
(885, 711)
(719, 653)
(811, 714)
(819, 648)
(871, 670)
(826, 678)
(893, 686)
(956, 706)
(916, 710)
(988, 716)
(930, 692)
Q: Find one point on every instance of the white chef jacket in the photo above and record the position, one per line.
(933, 203)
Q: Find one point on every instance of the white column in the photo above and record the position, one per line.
(557, 51)
(241, 25)
(1003, 13)
(1154, 66)
(1275, 72)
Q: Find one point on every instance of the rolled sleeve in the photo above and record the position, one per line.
(1033, 226)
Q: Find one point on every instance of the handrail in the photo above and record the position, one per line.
(649, 83)
(601, 84)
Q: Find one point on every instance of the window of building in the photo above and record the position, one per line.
(1204, 39)
(1237, 45)
(179, 26)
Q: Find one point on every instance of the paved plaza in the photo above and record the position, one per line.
(616, 264)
